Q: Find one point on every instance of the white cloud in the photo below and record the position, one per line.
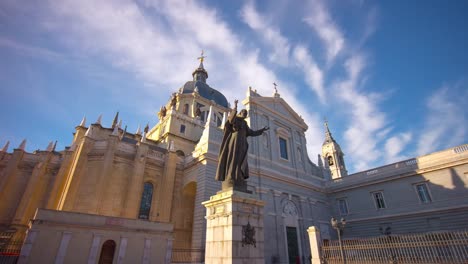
(154, 40)
(445, 123)
(320, 20)
(366, 120)
(313, 74)
(271, 35)
(395, 145)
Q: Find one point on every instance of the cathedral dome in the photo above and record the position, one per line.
(205, 91)
(199, 82)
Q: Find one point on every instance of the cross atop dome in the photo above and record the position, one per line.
(200, 74)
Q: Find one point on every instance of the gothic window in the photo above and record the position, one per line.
(343, 206)
(330, 160)
(107, 252)
(186, 109)
(283, 144)
(379, 200)
(182, 129)
(146, 198)
(423, 193)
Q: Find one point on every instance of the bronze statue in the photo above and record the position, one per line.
(232, 167)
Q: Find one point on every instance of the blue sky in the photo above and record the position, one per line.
(391, 77)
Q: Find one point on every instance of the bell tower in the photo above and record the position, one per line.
(333, 156)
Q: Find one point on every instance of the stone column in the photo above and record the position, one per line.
(234, 232)
(314, 238)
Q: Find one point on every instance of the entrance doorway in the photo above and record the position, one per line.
(293, 247)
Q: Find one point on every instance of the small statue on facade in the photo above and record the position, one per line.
(173, 100)
(198, 112)
(232, 168)
(162, 112)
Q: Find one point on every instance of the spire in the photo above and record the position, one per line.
(99, 119)
(328, 135)
(22, 146)
(120, 124)
(146, 128)
(143, 138)
(138, 132)
(83, 122)
(116, 119)
(200, 74)
(55, 145)
(5, 148)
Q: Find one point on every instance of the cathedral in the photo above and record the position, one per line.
(118, 197)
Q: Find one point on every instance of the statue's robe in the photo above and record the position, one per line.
(234, 147)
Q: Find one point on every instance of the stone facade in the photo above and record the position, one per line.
(106, 170)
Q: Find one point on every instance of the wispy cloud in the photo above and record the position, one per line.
(312, 73)
(270, 34)
(395, 145)
(323, 24)
(446, 120)
(29, 50)
(366, 119)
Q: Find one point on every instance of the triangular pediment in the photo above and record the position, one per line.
(278, 106)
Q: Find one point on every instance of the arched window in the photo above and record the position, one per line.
(186, 109)
(107, 252)
(146, 197)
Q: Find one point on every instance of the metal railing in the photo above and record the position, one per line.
(10, 247)
(439, 247)
(190, 255)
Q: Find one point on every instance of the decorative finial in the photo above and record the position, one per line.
(83, 122)
(116, 119)
(120, 124)
(50, 146)
(146, 128)
(138, 132)
(22, 146)
(116, 131)
(143, 138)
(5, 148)
(201, 58)
(99, 119)
(55, 145)
(89, 131)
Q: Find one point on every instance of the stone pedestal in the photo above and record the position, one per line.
(234, 231)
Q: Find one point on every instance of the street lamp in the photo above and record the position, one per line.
(339, 227)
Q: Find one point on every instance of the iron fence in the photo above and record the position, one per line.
(10, 247)
(189, 255)
(438, 247)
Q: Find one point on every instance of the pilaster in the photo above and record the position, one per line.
(74, 175)
(33, 193)
(135, 189)
(105, 175)
(8, 185)
(167, 188)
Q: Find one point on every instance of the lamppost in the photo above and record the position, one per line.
(339, 227)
